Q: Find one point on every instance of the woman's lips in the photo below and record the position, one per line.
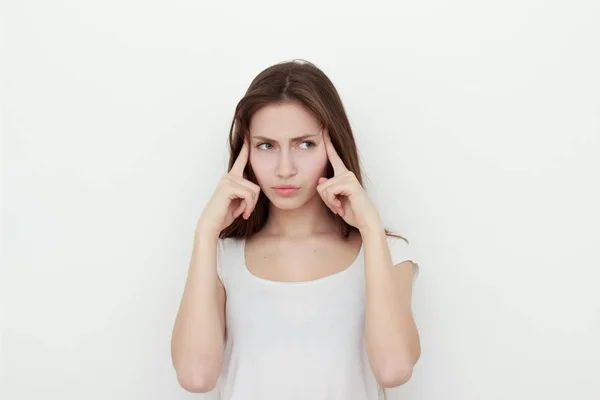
(286, 190)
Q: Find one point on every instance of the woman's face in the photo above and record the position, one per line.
(287, 153)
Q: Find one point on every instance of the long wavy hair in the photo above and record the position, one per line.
(296, 81)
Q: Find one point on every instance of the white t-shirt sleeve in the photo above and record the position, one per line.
(401, 251)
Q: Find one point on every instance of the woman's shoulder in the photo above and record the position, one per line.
(229, 253)
(229, 244)
(400, 248)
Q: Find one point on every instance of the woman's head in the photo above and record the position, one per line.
(282, 116)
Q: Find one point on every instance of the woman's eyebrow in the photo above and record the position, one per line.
(295, 139)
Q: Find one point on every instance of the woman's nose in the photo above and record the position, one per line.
(285, 166)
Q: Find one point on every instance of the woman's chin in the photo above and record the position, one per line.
(286, 203)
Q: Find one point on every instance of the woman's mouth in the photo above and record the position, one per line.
(286, 190)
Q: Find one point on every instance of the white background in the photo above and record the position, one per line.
(478, 125)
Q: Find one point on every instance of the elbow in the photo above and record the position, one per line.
(196, 382)
(393, 371)
(196, 372)
(199, 375)
(395, 374)
(395, 368)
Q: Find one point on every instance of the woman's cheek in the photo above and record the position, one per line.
(262, 165)
(312, 164)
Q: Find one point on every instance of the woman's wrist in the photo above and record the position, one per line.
(374, 226)
(204, 232)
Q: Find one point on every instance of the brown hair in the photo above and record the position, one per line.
(302, 82)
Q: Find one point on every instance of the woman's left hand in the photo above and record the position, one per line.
(344, 194)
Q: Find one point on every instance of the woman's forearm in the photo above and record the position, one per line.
(198, 333)
(390, 331)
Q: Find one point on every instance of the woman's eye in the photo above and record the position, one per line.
(264, 146)
(307, 144)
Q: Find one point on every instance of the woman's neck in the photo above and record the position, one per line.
(312, 218)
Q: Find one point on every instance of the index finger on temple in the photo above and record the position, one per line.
(240, 163)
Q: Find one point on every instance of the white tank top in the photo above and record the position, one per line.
(296, 340)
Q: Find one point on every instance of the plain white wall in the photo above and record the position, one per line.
(478, 124)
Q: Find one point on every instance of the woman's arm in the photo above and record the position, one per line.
(391, 335)
(390, 332)
(198, 334)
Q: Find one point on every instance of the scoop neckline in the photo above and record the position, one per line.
(326, 278)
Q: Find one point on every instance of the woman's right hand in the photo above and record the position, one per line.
(233, 197)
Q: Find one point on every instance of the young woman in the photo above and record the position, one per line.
(295, 289)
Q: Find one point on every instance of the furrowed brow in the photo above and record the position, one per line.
(296, 139)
